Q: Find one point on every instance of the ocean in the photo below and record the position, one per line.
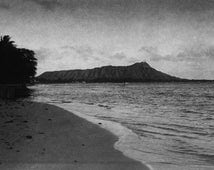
(168, 126)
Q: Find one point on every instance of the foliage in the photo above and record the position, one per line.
(17, 65)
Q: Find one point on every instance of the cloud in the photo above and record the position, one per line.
(148, 49)
(118, 56)
(48, 4)
(126, 9)
(152, 53)
(4, 5)
(88, 53)
(199, 53)
(77, 56)
(67, 57)
(192, 54)
(84, 52)
(189, 62)
(43, 54)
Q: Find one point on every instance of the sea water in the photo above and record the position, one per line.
(169, 126)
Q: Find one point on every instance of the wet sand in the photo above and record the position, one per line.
(37, 136)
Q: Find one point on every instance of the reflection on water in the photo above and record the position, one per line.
(174, 122)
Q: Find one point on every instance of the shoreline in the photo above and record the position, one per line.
(122, 133)
(43, 136)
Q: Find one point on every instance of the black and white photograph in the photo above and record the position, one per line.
(106, 84)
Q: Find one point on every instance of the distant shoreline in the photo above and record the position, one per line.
(139, 72)
(180, 81)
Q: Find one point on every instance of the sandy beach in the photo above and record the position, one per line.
(37, 136)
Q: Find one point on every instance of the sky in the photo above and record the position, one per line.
(173, 36)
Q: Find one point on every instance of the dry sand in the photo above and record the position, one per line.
(36, 136)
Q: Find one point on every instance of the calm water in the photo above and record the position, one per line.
(172, 124)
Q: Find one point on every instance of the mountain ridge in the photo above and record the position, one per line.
(137, 72)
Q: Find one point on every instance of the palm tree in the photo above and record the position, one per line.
(5, 40)
(17, 65)
(29, 63)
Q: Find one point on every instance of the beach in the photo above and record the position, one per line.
(37, 136)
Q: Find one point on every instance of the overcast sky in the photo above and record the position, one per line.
(173, 36)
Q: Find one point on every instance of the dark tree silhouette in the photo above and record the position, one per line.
(17, 65)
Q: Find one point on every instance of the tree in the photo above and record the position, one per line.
(17, 65)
